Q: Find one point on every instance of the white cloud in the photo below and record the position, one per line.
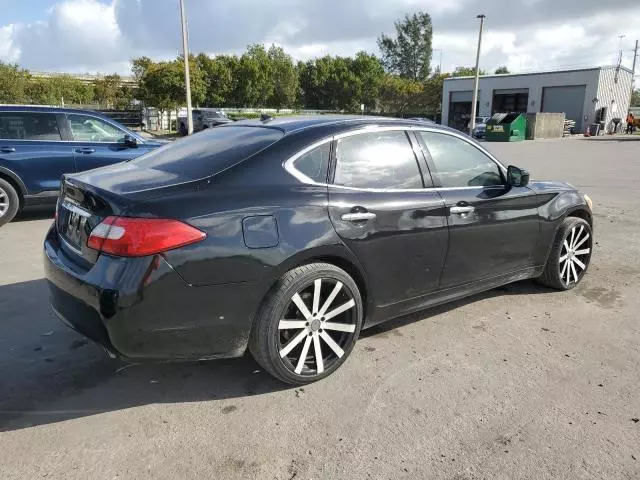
(9, 52)
(77, 34)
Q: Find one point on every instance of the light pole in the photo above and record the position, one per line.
(187, 80)
(440, 65)
(472, 124)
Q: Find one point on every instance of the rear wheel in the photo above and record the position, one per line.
(308, 324)
(570, 255)
(9, 202)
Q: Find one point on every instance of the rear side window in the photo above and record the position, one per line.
(377, 160)
(210, 151)
(315, 163)
(29, 126)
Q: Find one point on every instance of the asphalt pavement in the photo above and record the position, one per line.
(520, 382)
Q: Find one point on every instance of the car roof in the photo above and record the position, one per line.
(296, 123)
(45, 109)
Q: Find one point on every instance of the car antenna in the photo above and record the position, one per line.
(265, 117)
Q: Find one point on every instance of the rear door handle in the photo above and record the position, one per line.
(85, 150)
(7, 149)
(358, 216)
(462, 210)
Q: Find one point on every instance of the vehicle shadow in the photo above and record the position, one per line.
(49, 373)
(35, 213)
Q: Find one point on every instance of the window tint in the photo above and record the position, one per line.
(85, 128)
(29, 126)
(314, 164)
(460, 164)
(377, 160)
(210, 151)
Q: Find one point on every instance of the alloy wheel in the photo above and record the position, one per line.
(4, 202)
(317, 326)
(575, 254)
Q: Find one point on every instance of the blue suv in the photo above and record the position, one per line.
(39, 144)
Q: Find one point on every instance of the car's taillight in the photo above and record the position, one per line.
(138, 237)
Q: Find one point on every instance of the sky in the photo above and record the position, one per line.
(101, 36)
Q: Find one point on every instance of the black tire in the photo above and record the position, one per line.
(9, 202)
(554, 275)
(267, 340)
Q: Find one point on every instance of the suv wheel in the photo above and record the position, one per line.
(9, 202)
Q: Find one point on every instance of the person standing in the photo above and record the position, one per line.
(630, 125)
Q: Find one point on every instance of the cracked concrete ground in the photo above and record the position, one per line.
(520, 382)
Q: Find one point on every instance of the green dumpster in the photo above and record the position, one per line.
(506, 127)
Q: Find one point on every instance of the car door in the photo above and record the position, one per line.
(33, 148)
(380, 208)
(97, 143)
(493, 227)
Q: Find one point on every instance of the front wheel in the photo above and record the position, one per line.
(308, 324)
(9, 202)
(570, 255)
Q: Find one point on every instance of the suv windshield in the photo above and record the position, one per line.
(210, 151)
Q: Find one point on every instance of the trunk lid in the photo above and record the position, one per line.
(87, 198)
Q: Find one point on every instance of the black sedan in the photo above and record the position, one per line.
(288, 236)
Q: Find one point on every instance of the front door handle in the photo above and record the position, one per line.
(7, 149)
(358, 216)
(462, 210)
(85, 150)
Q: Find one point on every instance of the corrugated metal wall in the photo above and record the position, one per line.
(614, 92)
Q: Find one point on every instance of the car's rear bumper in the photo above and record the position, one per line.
(141, 308)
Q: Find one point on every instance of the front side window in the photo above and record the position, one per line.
(29, 126)
(460, 164)
(377, 160)
(85, 128)
(315, 163)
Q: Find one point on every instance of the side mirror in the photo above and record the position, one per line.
(517, 177)
(130, 141)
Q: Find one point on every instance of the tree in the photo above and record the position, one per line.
(502, 70)
(107, 90)
(635, 98)
(409, 53)
(254, 74)
(329, 83)
(13, 83)
(58, 89)
(432, 93)
(369, 72)
(163, 84)
(284, 78)
(398, 94)
(466, 72)
(219, 75)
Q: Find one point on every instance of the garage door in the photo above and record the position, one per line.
(569, 100)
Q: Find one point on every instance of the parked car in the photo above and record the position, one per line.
(480, 128)
(288, 236)
(421, 119)
(39, 144)
(203, 118)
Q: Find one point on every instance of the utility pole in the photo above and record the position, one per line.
(474, 105)
(440, 66)
(633, 70)
(187, 80)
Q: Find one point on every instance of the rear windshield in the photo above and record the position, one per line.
(210, 151)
